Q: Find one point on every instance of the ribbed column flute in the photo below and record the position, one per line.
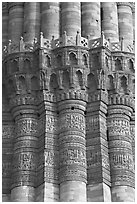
(125, 21)
(48, 156)
(5, 19)
(72, 151)
(90, 19)
(98, 169)
(16, 18)
(25, 151)
(50, 19)
(70, 18)
(31, 21)
(109, 20)
(120, 151)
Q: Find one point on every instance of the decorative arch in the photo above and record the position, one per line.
(72, 58)
(47, 61)
(84, 59)
(22, 84)
(131, 65)
(53, 82)
(27, 65)
(92, 85)
(66, 79)
(79, 78)
(110, 83)
(118, 64)
(123, 84)
(59, 60)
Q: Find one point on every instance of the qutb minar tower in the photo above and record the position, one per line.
(68, 88)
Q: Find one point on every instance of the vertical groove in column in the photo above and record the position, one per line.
(31, 21)
(98, 169)
(125, 21)
(109, 20)
(48, 156)
(50, 19)
(72, 151)
(16, 18)
(120, 151)
(90, 19)
(133, 18)
(25, 154)
(5, 19)
(70, 18)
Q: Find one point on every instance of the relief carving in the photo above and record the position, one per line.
(27, 126)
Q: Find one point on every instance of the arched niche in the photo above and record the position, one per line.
(53, 82)
(79, 78)
(123, 84)
(84, 59)
(118, 65)
(47, 61)
(22, 84)
(27, 65)
(91, 82)
(59, 60)
(66, 79)
(131, 65)
(72, 59)
(110, 83)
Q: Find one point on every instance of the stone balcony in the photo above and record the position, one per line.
(43, 43)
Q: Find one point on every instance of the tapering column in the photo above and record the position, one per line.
(109, 21)
(70, 18)
(72, 151)
(98, 169)
(125, 21)
(16, 18)
(132, 131)
(25, 153)
(120, 151)
(5, 18)
(90, 20)
(31, 21)
(50, 19)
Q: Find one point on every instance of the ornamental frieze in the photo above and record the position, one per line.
(24, 161)
(27, 127)
(122, 160)
(7, 131)
(70, 121)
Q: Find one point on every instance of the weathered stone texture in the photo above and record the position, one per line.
(68, 125)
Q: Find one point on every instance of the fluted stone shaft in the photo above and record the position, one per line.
(72, 151)
(70, 18)
(50, 19)
(90, 19)
(120, 151)
(31, 21)
(24, 157)
(125, 21)
(109, 21)
(5, 19)
(98, 169)
(48, 156)
(16, 18)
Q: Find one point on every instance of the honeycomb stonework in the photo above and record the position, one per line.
(68, 125)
